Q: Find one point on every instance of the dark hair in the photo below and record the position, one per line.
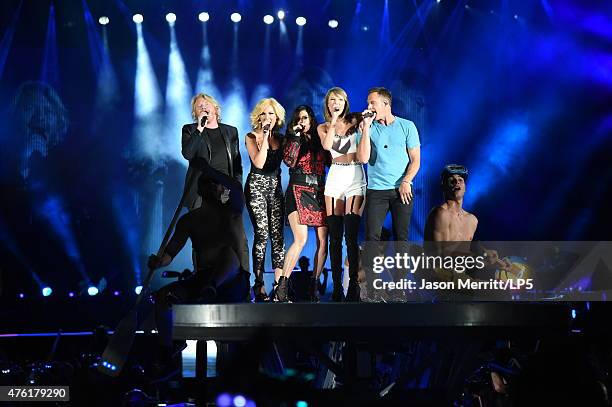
(384, 92)
(314, 145)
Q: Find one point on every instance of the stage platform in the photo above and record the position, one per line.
(367, 321)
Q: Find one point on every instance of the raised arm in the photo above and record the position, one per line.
(258, 155)
(191, 139)
(364, 146)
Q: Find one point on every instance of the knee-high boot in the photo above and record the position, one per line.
(336, 230)
(351, 233)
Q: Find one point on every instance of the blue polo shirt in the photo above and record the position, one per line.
(388, 157)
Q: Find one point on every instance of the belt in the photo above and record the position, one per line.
(308, 179)
(351, 163)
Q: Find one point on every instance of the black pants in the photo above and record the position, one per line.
(378, 203)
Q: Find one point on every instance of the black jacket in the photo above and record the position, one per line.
(194, 144)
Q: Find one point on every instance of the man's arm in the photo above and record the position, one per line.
(235, 187)
(405, 188)
(364, 147)
(190, 142)
(174, 246)
(237, 157)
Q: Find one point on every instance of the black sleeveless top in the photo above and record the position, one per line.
(273, 161)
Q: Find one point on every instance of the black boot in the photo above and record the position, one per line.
(336, 230)
(313, 289)
(351, 234)
(282, 290)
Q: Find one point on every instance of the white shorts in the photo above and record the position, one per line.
(344, 180)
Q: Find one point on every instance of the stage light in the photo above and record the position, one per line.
(239, 401)
(138, 18)
(71, 294)
(301, 403)
(116, 293)
(47, 291)
(365, 28)
(103, 20)
(437, 1)
(224, 400)
(138, 289)
(516, 16)
(332, 23)
(21, 295)
(573, 314)
(467, 6)
(280, 14)
(203, 17)
(300, 21)
(268, 19)
(171, 18)
(92, 291)
(236, 17)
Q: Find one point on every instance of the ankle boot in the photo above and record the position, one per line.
(282, 290)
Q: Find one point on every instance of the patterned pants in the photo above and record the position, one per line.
(264, 199)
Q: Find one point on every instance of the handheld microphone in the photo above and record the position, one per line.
(203, 121)
(367, 114)
(298, 128)
(266, 127)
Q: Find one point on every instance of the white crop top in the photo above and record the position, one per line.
(343, 145)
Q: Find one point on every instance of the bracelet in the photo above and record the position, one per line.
(409, 182)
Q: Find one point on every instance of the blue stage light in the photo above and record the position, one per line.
(21, 295)
(138, 18)
(104, 20)
(138, 289)
(92, 291)
(171, 18)
(301, 21)
(301, 403)
(332, 23)
(239, 401)
(203, 17)
(224, 400)
(47, 291)
(116, 293)
(280, 14)
(71, 294)
(236, 17)
(268, 19)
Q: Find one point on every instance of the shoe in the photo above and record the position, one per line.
(282, 290)
(260, 293)
(338, 293)
(352, 293)
(313, 290)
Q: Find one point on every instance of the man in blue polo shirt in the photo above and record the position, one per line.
(390, 145)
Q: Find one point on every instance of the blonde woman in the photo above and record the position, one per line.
(344, 188)
(263, 192)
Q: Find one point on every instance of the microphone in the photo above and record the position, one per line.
(367, 114)
(298, 128)
(203, 121)
(266, 127)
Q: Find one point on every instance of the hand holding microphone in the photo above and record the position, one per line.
(298, 128)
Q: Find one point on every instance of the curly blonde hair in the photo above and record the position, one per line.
(208, 98)
(259, 108)
(336, 91)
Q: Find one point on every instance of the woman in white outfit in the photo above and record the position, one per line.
(344, 189)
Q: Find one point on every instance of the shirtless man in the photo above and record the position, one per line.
(449, 222)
